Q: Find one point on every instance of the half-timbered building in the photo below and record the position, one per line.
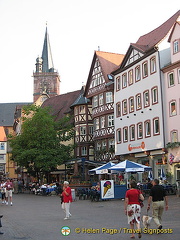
(100, 90)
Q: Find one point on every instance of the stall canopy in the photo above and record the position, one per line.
(129, 166)
(102, 169)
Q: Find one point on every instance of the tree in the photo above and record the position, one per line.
(41, 147)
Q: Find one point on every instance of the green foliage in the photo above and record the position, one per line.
(41, 145)
(173, 144)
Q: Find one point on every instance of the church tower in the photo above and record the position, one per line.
(46, 78)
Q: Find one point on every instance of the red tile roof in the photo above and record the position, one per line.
(154, 37)
(2, 135)
(108, 61)
(61, 104)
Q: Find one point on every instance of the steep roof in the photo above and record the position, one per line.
(7, 111)
(2, 135)
(154, 37)
(61, 104)
(47, 55)
(81, 100)
(108, 62)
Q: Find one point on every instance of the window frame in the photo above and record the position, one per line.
(96, 123)
(130, 132)
(118, 109)
(83, 150)
(125, 129)
(118, 136)
(138, 130)
(171, 135)
(137, 97)
(152, 95)
(123, 102)
(145, 128)
(169, 79)
(109, 97)
(124, 80)
(102, 120)
(144, 70)
(175, 46)
(118, 83)
(110, 120)
(130, 106)
(154, 127)
(83, 130)
(170, 108)
(144, 99)
(153, 68)
(137, 76)
(95, 101)
(101, 99)
(130, 77)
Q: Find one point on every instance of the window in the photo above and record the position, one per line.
(124, 80)
(118, 135)
(156, 130)
(111, 143)
(132, 132)
(125, 134)
(91, 130)
(110, 120)
(124, 107)
(131, 104)
(84, 151)
(104, 145)
(102, 122)
(95, 101)
(176, 46)
(96, 123)
(146, 98)
(154, 93)
(139, 130)
(173, 111)
(101, 99)
(137, 73)
(174, 136)
(98, 146)
(109, 97)
(82, 109)
(118, 83)
(147, 128)
(145, 69)
(83, 130)
(138, 101)
(130, 77)
(153, 65)
(118, 109)
(178, 75)
(2, 146)
(171, 79)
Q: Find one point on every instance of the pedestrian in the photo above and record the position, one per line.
(158, 198)
(67, 199)
(3, 191)
(133, 208)
(9, 188)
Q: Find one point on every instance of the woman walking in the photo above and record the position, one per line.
(133, 208)
(67, 199)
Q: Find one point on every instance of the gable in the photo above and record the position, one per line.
(133, 56)
(103, 63)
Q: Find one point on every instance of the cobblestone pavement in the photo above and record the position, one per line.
(41, 218)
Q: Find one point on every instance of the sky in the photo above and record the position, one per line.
(76, 29)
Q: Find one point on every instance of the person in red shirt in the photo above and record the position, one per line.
(133, 208)
(9, 188)
(67, 199)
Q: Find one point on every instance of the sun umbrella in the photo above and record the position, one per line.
(150, 176)
(162, 175)
(102, 169)
(129, 166)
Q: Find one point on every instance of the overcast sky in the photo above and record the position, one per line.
(76, 28)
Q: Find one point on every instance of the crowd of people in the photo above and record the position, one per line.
(6, 189)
